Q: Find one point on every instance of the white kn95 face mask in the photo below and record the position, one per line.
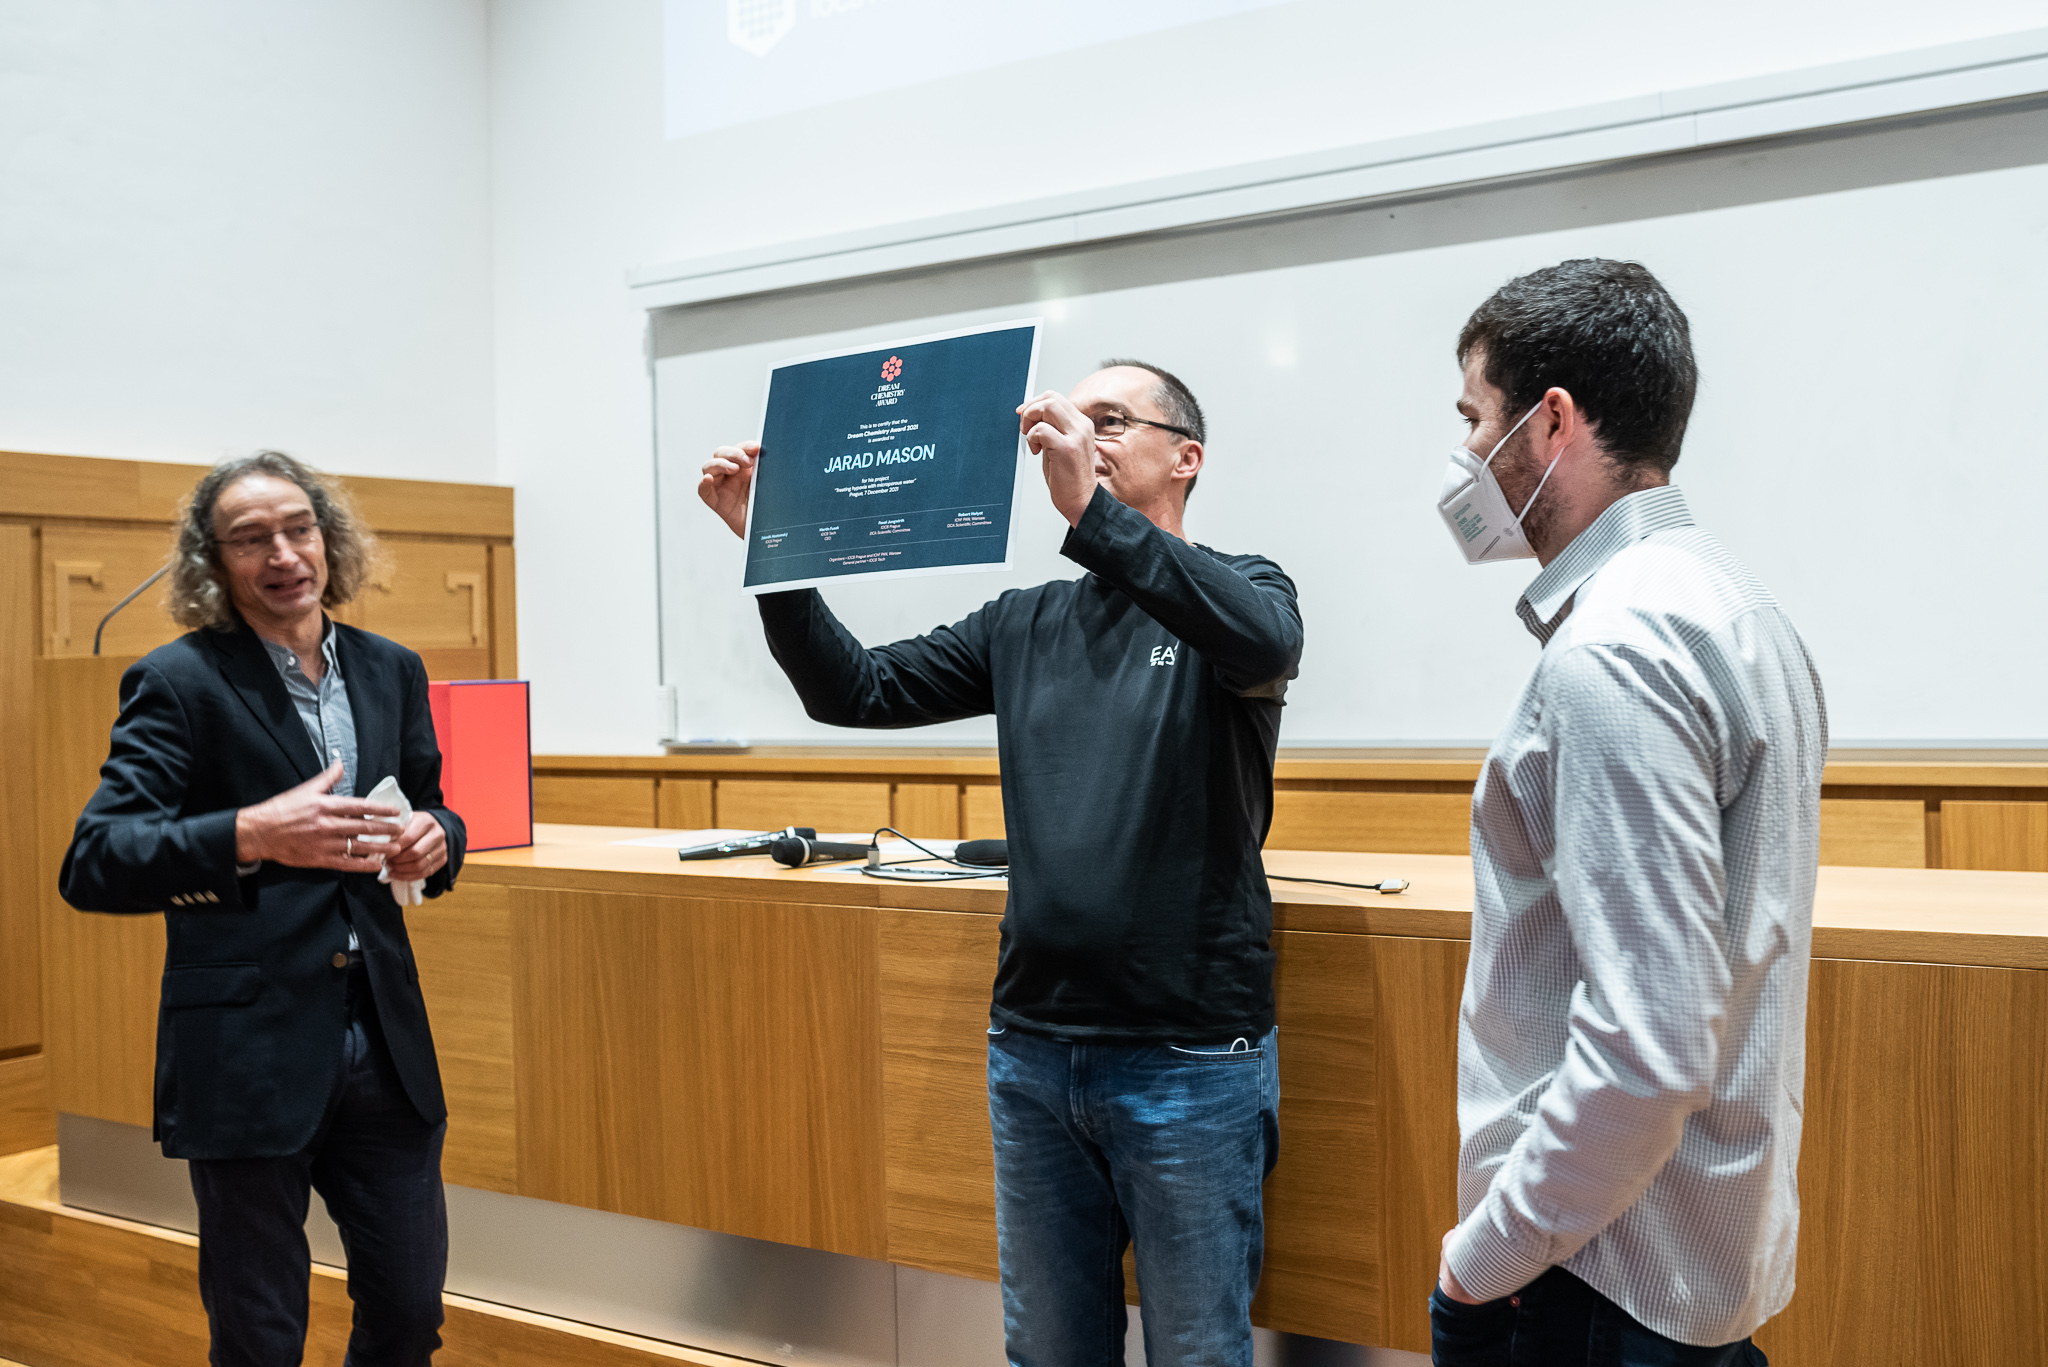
(1476, 510)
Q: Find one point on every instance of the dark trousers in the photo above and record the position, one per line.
(377, 1165)
(1559, 1321)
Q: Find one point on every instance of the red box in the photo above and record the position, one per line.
(486, 758)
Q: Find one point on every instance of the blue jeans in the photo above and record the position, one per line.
(1100, 1144)
(1559, 1321)
(377, 1165)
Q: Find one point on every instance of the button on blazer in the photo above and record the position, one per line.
(253, 1008)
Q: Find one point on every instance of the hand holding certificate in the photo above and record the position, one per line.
(1063, 438)
(881, 461)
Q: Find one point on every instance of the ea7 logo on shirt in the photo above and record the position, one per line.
(1163, 655)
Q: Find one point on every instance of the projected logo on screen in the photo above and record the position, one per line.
(892, 367)
(733, 61)
(757, 25)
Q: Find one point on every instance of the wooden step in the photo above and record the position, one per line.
(84, 1290)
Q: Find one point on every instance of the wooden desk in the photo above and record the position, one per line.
(1956, 809)
(797, 1056)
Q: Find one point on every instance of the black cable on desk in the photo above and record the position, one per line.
(962, 873)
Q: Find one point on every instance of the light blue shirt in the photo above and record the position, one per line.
(323, 707)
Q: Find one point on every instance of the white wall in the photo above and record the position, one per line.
(1848, 361)
(586, 186)
(233, 223)
(391, 235)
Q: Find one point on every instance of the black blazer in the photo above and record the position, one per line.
(250, 1022)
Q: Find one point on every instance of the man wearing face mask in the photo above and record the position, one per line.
(1644, 840)
(1133, 1082)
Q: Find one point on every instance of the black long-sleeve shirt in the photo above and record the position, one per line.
(1137, 713)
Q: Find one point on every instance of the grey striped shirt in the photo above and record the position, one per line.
(323, 707)
(1631, 1044)
(329, 720)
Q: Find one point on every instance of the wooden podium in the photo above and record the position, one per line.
(100, 973)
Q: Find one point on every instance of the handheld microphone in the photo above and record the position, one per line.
(992, 854)
(796, 851)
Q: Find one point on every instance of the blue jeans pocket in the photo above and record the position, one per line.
(1240, 1050)
(1463, 1335)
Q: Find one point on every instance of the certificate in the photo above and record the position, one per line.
(892, 460)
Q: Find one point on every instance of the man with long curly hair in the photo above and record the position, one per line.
(293, 1053)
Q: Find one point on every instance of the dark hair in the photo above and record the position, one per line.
(198, 598)
(1176, 400)
(1607, 333)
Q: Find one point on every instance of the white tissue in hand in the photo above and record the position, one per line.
(407, 892)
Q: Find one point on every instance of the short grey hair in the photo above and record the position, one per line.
(198, 596)
(1176, 400)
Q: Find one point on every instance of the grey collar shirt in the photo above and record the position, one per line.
(324, 709)
(1631, 1042)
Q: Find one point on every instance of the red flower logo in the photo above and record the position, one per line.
(892, 367)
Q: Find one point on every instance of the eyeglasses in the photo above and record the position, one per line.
(1114, 424)
(298, 536)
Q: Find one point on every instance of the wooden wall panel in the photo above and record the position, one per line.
(454, 662)
(1417, 986)
(1323, 1201)
(765, 804)
(684, 804)
(21, 994)
(100, 973)
(462, 941)
(1383, 823)
(587, 980)
(622, 801)
(36, 485)
(1995, 835)
(434, 596)
(85, 571)
(707, 1062)
(504, 613)
(928, 810)
(981, 806)
(1923, 1191)
(1873, 833)
(431, 507)
(936, 969)
(27, 1120)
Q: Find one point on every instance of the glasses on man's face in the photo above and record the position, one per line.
(298, 536)
(1114, 424)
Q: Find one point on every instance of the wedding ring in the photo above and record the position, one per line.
(348, 846)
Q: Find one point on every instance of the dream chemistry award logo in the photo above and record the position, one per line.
(890, 391)
(758, 25)
(885, 438)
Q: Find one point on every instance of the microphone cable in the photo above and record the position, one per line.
(1386, 887)
(961, 873)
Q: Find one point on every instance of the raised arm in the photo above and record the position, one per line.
(940, 676)
(1245, 622)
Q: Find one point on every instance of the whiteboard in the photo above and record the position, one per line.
(1867, 315)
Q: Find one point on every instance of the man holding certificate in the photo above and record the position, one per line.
(1132, 1073)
